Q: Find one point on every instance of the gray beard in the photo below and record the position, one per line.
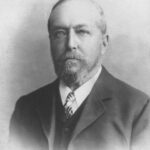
(65, 74)
(69, 78)
(74, 79)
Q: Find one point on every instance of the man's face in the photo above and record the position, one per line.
(76, 40)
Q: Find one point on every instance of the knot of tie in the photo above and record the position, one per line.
(70, 105)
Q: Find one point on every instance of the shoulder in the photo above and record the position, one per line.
(129, 104)
(27, 106)
(128, 92)
(38, 96)
(123, 89)
(125, 96)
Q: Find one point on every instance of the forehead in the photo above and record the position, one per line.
(74, 12)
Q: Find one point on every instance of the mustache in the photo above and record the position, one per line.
(71, 55)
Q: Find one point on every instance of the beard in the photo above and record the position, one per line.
(68, 71)
(73, 68)
(68, 66)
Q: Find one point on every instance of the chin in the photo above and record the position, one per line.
(69, 72)
(69, 77)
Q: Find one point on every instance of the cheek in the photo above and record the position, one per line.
(57, 49)
(92, 49)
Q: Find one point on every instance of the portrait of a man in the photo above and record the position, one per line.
(86, 107)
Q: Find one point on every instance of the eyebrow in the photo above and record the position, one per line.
(55, 27)
(81, 26)
(59, 27)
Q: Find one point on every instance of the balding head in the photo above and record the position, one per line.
(101, 22)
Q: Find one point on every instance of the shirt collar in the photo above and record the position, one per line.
(80, 93)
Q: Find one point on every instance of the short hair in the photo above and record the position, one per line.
(102, 22)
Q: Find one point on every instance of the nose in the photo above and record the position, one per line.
(72, 40)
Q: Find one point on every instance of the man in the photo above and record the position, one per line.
(86, 108)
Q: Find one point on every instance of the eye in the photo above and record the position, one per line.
(82, 32)
(59, 34)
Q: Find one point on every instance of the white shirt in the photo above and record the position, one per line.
(81, 93)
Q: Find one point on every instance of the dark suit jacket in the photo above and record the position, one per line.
(116, 116)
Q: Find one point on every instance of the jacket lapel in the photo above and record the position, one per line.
(46, 111)
(95, 106)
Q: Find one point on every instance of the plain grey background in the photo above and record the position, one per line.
(25, 62)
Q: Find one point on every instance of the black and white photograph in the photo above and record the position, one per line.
(75, 75)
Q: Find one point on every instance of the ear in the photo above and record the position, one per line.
(105, 43)
(105, 40)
